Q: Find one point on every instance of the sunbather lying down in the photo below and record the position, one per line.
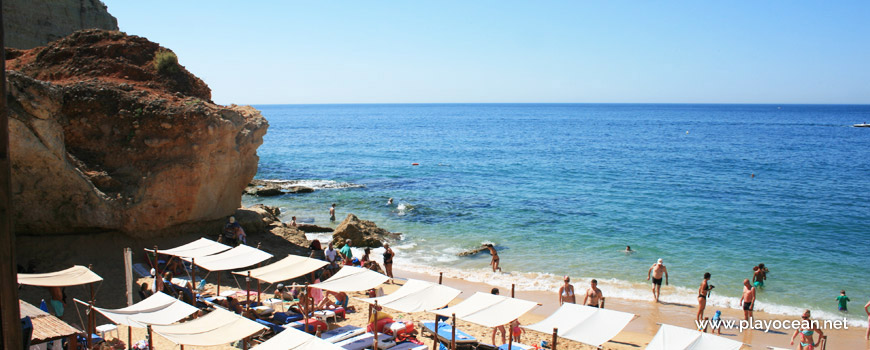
(340, 300)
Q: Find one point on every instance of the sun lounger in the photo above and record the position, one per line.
(142, 270)
(516, 346)
(341, 333)
(409, 346)
(362, 341)
(285, 317)
(274, 327)
(444, 333)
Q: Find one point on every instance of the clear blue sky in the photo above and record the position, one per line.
(772, 51)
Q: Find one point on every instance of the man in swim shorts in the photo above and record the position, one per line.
(593, 295)
(757, 277)
(656, 271)
(748, 299)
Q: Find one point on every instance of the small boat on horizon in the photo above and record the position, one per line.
(865, 125)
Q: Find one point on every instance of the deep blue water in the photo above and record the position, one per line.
(561, 188)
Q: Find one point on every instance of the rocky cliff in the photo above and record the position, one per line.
(32, 23)
(101, 140)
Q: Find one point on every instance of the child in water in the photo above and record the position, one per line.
(841, 301)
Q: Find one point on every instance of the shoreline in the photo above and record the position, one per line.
(642, 329)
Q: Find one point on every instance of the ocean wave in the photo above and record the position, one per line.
(315, 184)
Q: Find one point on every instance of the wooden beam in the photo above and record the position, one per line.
(10, 336)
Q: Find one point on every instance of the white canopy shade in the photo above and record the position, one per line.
(294, 339)
(236, 258)
(678, 338)
(158, 309)
(585, 324)
(488, 310)
(72, 276)
(288, 268)
(352, 279)
(216, 328)
(417, 296)
(195, 249)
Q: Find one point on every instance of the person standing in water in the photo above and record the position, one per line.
(757, 277)
(703, 293)
(656, 271)
(566, 292)
(390, 201)
(388, 260)
(748, 299)
(494, 261)
(593, 296)
(332, 212)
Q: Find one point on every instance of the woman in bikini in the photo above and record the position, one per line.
(867, 310)
(494, 261)
(566, 292)
(807, 329)
(703, 292)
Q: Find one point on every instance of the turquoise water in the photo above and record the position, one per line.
(561, 188)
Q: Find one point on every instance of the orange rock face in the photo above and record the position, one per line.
(100, 140)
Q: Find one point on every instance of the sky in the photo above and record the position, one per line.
(692, 51)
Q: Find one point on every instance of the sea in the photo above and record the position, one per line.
(562, 189)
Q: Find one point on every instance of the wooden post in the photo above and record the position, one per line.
(73, 342)
(555, 332)
(129, 337)
(258, 281)
(453, 334)
(156, 262)
(510, 336)
(128, 274)
(307, 307)
(375, 327)
(513, 288)
(440, 277)
(245, 343)
(219, 284)
(248, 290)
(435, 335)
(92, 319)
(10, 337)
(150, 338)
(195, 285)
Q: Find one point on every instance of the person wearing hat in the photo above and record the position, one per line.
(656, 271)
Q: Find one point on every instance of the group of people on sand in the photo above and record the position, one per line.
(344, 257)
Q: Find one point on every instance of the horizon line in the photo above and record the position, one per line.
(560, 103)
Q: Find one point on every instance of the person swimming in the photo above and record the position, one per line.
(566, 292)
(628, 250)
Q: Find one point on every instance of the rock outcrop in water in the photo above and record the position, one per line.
(31, 23)
(103, 141)
(362, 233)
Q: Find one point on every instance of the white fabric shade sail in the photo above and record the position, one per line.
(585, 324)
(216, 328)
(294, 339)
(195, 249)
(288, 268)
(352, 279)
(417, 296)
(72, 276)
(678, 338)
(488, 310)
(236, 258)
(158, 309)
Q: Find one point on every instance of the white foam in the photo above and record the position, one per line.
(314, 183)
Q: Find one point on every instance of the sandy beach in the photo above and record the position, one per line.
(104, 252)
